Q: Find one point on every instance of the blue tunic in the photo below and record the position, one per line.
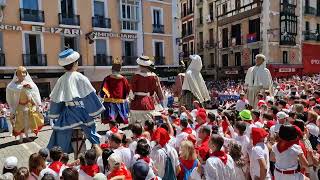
(80, 112)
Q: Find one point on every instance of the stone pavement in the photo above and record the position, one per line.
(10, 147)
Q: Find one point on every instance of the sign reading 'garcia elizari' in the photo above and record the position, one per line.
(66, 31)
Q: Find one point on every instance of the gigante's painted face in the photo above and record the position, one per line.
(21, 73)
(259, 61)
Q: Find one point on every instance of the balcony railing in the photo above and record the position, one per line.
(69, 19)
(101, 22)
(31, 15)
(129, 60)
(159, 60)
(2, 59)
(209, 44)
(186, 13)
(34, 59)
(310, 10)
(310, 36)
(158, 28)
(102, 60)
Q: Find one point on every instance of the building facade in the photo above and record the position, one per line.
(33, 32)
(187, 29)
(206, 31)
(249, 27)
(311, 36)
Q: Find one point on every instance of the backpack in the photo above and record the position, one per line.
(187, 172)
(169, 173)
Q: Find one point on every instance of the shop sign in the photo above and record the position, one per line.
(231, 72)
(287, 70)
(114, 35)
(315, 61)
(56, 30)
(10, 27)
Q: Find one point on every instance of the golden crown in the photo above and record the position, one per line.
(117, 60)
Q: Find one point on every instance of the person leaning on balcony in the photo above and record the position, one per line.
(258, 78)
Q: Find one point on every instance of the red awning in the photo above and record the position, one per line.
(285, 70)
(311, 58)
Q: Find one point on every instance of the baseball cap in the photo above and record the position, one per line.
(141, 170)
(11, 162)
(245, 115)
(282, 115)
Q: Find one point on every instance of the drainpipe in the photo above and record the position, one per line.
(142, 29)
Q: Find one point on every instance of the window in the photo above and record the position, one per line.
(67, 8)
(71, 42)
(101, 46)
(185, 50)
(318, 7)
(158, 53)
(254, 28)
(211, 36)
(184, 29)
(211, 11)
(236, 33)
(285, 57)
(225, 37)
(129, 52)
(307, 3)
(200, 16)
(1, 43)
(190, 6)
(224, 9)
(238, 4)
(212, 61)
(33, 53)
(191, 48)
(237, 58)
(288, 22)
(318, 28)
(225, 60)
(185, 10)
(30, 4)
(307, 26)
(99, 8)
(190, 28)
(201, 39)
(130, 14)
(157, 16)
(254, 53)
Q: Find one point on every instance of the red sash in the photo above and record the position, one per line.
(56, 166)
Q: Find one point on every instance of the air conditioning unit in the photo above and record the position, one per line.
(208, 19)
(3, 3)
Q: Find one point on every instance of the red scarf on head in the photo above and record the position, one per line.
(284, 145)
(114, 129)
(121, 171)
(257, 135)
(187, 130)
(162, 136)
(90, 170)
(56, 166)
(221, 155)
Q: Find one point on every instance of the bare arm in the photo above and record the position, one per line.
(263, 169)
(303, 161)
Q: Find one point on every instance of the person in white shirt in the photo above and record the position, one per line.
(313, 128)
(117, 147)
(241, 103)
(281, 119)
(220, 165)
(259, 155)
(186, 130)
(287, 155)
(162, 150)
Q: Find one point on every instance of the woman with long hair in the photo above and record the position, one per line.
(188, 160)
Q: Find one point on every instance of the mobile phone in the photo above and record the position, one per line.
(159, 120)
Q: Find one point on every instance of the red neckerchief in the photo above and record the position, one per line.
(187, 163)
(198, 125)
(187, 130)
(284, 145)
(114, 129)
(204, 149)
(56, 166)
(90, 170)
(121, 171)
(221, 155)
(146, 159)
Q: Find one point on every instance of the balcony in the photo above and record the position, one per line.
(310, 10)
(209, 44)
(2, 59)
(186, 13)
(73, 20)
(101, 22)
(34, 59)
(310, 36)
(31, 15)
(129, 60)
(253, 37)
(102, 60)
(159, 60)
(187, 33)
(158, 28)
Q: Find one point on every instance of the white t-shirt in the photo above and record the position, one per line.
(241, 104)
(313, 129)
(159, 156)
(288, 159)
(84, 176)
(216, 169)
(126, 155)
(259, 151)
